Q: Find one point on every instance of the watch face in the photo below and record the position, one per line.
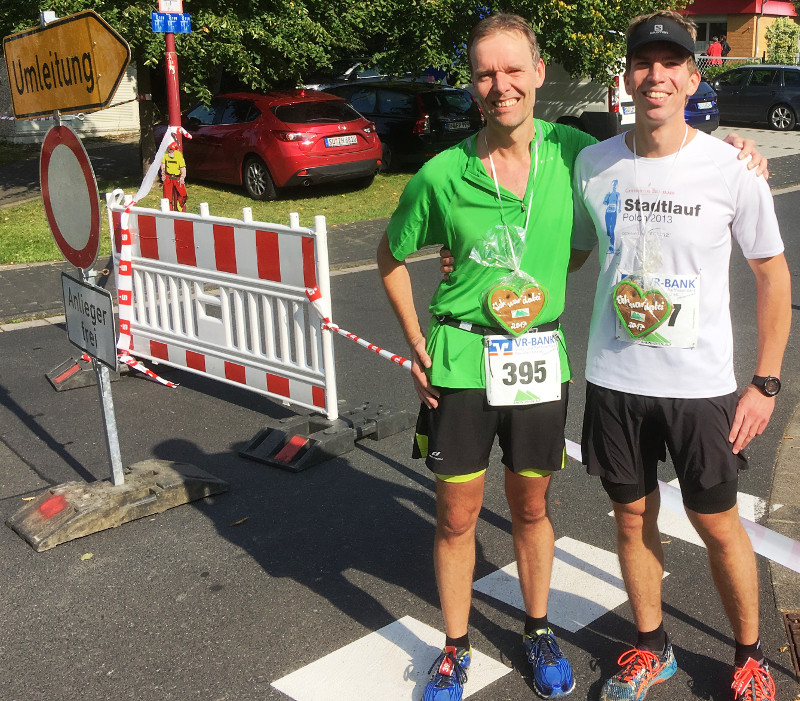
(772, 386)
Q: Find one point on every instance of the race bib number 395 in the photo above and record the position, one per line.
(522, 369)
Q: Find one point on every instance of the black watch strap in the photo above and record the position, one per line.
(769, 385)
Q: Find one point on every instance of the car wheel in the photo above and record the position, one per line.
(257, 180)
(386, 158)
(782, 118)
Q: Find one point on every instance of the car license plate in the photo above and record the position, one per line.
(341, 140)
(628, 110)
(454, 126)
(704, 105)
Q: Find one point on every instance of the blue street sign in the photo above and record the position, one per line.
(171, 23)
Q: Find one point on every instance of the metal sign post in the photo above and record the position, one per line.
(90, 326)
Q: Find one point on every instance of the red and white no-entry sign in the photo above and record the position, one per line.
(69, 193)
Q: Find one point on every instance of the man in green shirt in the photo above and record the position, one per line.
(513, 176)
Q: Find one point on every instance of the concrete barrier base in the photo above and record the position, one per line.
(75, 509)
(298, 442)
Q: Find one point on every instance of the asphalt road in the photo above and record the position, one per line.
(219, 599)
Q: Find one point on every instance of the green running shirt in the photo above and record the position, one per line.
(452, 202)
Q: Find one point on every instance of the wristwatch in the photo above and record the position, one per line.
(770, 385)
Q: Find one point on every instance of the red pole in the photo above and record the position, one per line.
(173, 95)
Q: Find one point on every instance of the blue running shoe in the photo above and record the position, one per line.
(640, 670)
(447, 682)
(552, 673)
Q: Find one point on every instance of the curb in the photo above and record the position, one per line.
(786, 520)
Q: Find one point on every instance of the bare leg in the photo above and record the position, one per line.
(733, 568)
(533, 539)
(457, 510)
(641, 558)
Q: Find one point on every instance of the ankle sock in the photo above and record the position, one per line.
(655, 640)
(533, 624)
(745, 651)
(463, 641)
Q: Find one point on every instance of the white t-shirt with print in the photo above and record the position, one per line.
(698, 202)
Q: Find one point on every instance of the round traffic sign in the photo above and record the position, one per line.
(69, 193)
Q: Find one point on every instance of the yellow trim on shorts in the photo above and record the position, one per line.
(545, 473)
(458, 479)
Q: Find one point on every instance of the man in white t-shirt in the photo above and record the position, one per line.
(660, 358)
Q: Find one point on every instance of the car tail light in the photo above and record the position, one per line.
(480, 112)
(304, 137)
(370, 128)
(613, 96)
(423, 123)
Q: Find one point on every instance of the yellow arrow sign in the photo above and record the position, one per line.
(73, 64)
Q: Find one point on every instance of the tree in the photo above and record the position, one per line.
(782, 41)
(261, 44)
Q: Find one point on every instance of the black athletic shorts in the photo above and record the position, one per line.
(460, 433)
(625, 435)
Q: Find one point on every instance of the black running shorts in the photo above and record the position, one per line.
(461, 430)
(625, 435)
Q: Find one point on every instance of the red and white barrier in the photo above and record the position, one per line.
(226, 298)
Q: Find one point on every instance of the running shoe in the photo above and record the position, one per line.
(640, 670)
(552, 674)
(447, 682)
(753, 682)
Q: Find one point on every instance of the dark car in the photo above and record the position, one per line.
(415, 121)
(760, 93)
(279, 139)
(701, 109)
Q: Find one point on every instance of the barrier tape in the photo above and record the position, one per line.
(315, 297)
(772, 545)
(79, 115)
(124, 269)
(135, 365)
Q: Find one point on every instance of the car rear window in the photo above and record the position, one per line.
(323, 112)
(791, 78)
(458, 100)
(762, 77)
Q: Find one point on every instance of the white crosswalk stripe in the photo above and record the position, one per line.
(586, 584)
(677, 525)
(391, 663)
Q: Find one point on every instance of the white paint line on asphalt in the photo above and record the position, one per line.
(391, 663)
(586, 584)
(678, 525)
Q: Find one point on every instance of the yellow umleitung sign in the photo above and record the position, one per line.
(73, 64)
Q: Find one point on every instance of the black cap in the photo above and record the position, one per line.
(660, 29)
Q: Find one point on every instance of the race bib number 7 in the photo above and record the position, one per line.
(522, 369)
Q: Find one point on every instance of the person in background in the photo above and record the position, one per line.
(173, 175)
(714, 51)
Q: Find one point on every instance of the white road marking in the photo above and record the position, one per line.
(586, 584)
(391, 663)
(677, 525)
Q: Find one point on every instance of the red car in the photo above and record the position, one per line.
(280, 139)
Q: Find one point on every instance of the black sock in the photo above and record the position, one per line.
(745, 651)
(463, 641)
(655, 640)
(533, 624)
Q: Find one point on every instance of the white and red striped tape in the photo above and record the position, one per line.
(79, 115)
(315, 297)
